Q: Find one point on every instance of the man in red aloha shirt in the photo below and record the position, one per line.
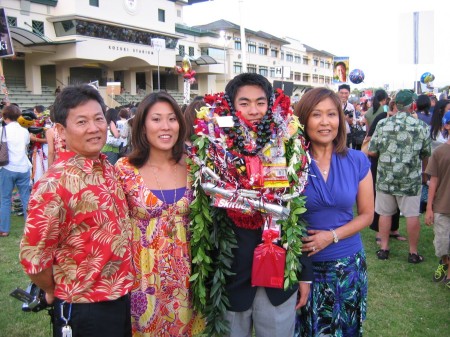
(76, 244)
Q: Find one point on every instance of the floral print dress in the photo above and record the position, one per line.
(160, 299)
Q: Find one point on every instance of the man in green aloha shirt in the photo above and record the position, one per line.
(403, 145)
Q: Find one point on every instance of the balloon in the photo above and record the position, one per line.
(356, 76)
(193, 72)
(191, 80)
(186, 64)
(178, 69)
(427, 78)
(187, 76)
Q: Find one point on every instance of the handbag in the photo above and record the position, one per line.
(111, 140)
(358, 135)
(4, 154)
(268, 263)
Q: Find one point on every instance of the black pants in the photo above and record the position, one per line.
(100, 319)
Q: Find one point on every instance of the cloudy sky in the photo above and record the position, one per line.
(376, 35)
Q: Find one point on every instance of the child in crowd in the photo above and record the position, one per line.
(438, 207)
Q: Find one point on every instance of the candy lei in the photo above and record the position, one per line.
(224, 151)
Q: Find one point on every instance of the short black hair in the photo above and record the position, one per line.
(344, 86)
(248, 79)
(73, 96)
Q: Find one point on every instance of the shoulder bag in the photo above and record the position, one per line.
(4, 155)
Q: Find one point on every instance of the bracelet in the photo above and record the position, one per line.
(335, 236)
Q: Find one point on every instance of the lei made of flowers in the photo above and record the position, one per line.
(226, 153)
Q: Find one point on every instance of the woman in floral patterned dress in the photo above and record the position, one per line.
(154, 178)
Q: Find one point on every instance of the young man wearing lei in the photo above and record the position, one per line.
(238, 134)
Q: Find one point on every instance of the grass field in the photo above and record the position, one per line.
(403, 299)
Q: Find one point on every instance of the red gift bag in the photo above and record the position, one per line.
(268, 263)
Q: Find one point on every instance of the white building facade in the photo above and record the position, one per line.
(63, 42)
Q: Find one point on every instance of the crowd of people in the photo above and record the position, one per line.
(147, 220)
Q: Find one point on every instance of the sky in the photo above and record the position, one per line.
(373, 34)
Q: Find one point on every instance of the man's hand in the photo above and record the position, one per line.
(304, 289)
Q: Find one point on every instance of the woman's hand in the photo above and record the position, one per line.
(316, 241)
(303, 289)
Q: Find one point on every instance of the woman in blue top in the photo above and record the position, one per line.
(338, 178)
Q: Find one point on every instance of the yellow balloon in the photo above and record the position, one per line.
(186, 64)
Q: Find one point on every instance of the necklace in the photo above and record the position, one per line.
(322, 170)
(171, 208)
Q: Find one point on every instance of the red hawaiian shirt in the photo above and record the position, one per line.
(78, 224)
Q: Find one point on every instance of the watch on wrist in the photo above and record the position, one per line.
(335, 236)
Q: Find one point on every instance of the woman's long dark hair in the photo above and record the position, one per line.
(377, 98)
(141, 147)
(436, 119)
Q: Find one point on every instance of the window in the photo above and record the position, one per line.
(327, 65)
(191, 51)
(305, 77)
(181, 50)
(237, 45)
(272, 72)
(321, 80)
(263, 71)
(274, 53)
(262, 51)
(93, 3)
(315, 79)
(12, 22)
(282, 55)
(252, 49)
(297, 59)
(237, 67)
(289, 57)
(316, 62)
(322, 64)
(305, 61)
(161, 15)
(297, 76)
(251, 68)
(38, 27)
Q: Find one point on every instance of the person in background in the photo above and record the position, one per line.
(338, 178)
(438, 207)
(402, 145)
(349, 110)
(379, 105)
(37, 143)
(154, 178)
(433, 101)
(423, 105)
(76, 242)
(123, 128)
(394, 233)
(190, 114)
(17, 172)
(55, 143)
(112, 151)
(440, 109)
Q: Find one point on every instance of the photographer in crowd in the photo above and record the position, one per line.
(76, 244)
(349, 110)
